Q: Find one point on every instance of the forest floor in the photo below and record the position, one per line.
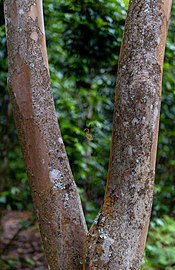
(20, 243)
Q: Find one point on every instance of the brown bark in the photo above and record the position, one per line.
(117, 239)
(54, 192)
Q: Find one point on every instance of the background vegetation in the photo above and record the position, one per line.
(83, 40)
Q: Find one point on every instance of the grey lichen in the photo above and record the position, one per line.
(106, 246)
(56, 178)
(66, 200)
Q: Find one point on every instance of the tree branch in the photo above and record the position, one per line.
(54, 192)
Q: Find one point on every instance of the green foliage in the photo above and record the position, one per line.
(126, 2)
(12, 263)
(160, 248)
(83, 40)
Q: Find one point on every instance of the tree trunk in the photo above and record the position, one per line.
(54, 192)
(117, 239)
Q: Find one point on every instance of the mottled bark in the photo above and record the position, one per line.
(54, 192)
(117, 239)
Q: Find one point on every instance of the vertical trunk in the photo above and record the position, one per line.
(117, 239)
(53, 189)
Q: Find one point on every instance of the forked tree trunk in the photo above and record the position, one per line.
(54, 192)
(116, 240)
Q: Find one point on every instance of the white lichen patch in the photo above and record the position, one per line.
(102, 234)
(135, 121)
(143, 119)
(130, 150)
(125, 124)
(60, 140)
(66, 199)
(155, 114)
(97, 218)
(56, 179)
(32, 65)
(21, 11)
(108, 241)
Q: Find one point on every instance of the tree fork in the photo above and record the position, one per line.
(54, 192)
(117, 238)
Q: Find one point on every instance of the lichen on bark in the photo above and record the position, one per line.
(124, 217)
(117, 238)
(54, 192)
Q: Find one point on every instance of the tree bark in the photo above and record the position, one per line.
(54, 192)
(117, 238)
